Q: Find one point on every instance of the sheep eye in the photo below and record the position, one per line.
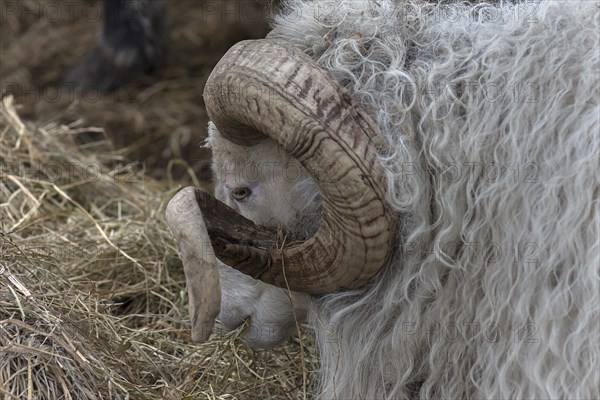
(240, 193)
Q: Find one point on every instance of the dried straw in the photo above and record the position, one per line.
(92, 292)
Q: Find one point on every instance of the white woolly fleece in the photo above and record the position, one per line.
(492, 116)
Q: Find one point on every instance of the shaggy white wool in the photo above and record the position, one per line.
(492, 117)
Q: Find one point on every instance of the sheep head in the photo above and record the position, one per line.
(268, 89)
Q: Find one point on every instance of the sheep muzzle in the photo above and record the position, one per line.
(204, 227)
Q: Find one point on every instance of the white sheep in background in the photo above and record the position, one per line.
(491, 115)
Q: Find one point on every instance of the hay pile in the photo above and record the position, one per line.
(154, 119)
(92, 292)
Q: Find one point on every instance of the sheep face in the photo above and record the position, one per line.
(266, 185)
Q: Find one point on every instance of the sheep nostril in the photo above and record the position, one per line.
(232, 321)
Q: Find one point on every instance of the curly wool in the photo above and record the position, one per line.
(492, 117)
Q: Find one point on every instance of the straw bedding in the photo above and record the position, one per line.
(92, 292)
(93, 303)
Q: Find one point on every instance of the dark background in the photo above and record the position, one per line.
(154, 119)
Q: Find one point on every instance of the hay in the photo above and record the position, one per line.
(155, 118)
(92, 295)
(92, 292)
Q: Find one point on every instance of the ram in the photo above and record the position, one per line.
(445, 213)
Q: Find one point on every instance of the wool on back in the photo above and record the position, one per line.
(492, 117)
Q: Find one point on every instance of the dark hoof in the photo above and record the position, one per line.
(131, 43)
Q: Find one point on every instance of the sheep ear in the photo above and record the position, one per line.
(199, 263)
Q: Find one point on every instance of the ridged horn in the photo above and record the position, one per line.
(267, 88)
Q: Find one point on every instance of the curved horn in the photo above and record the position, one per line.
(199, 264)
(265, 88)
